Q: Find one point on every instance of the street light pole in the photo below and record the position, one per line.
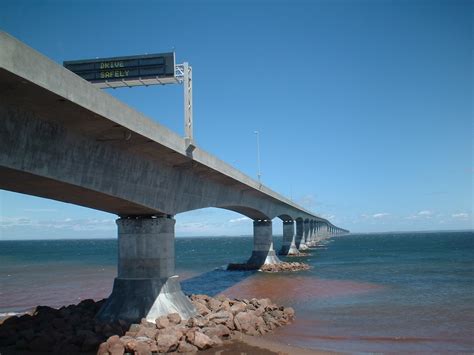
(258, 155)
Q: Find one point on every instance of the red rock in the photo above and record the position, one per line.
(201, 309)
(265, 302)
(221, 298)
(221, 317)
(245, 322)
(290, 312)
(162, 322)
(219, 330)
(202, 341)
(213, 304)
(142, 348)
(185, 347)
(190, 335)
(145, 323)
(225, 305)
(238, 307)
(216, 341)
(116, 348)
(199, 321)
(147, 332)
(103, 349)
(174, 318)
(167, 342)
(130, 344)
(113, 339)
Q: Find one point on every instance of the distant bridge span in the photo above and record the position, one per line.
(63, 139)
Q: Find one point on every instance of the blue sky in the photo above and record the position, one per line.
(364, 108)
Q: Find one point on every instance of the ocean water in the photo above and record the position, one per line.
(411, 292)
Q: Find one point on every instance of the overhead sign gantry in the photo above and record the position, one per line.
(140, 70)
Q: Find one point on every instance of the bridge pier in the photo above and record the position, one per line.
(305, 236)
(288, 247)
(146, 285)
(263, 252)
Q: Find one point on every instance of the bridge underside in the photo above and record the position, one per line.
(29, 184)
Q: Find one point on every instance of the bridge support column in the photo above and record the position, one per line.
(310, 238)
(263, 252)
(146, 285)
(305, 237)
(299, 233)
(289, 246)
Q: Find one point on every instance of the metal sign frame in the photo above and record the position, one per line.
(183, 74)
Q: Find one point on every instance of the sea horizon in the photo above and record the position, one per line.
(249, 235)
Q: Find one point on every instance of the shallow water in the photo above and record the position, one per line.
(364, 293)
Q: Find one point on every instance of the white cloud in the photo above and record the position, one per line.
(239, 220)
(461, 215)
(425, 213)
(87, 224)
(380, 215)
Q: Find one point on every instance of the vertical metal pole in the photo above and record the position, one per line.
(188, 102)
(258, 155)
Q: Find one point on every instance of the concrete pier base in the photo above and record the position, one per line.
(146, 286)
(263, 252)
(288, 247)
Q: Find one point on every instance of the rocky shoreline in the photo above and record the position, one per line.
(73, 329)
(280, 267)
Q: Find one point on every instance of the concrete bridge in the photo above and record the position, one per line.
(63, 139)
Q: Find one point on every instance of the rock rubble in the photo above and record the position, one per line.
(285, 267)
(280, 267)
(73, 329)
(219, 319)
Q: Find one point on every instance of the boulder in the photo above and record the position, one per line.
(174, 318)
(103, 349)
(143, 348)
(214, 305)
(237, 307)
(202, 341)
(201, 309)
(167, 342)
(289, 312)
(185, 347)
(162, 322)
(245, 322)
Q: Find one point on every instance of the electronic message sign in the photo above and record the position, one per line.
(142, 68)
